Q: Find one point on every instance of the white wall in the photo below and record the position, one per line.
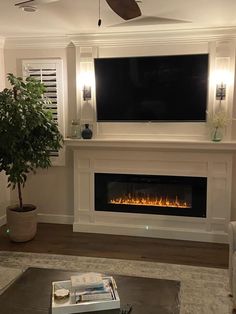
(233, 211)
(4, 197)
(4, 192)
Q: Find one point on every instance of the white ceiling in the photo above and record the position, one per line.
(67, 17)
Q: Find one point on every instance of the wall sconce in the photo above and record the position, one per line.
(87, 92)
(222, 80)
(220, 91)
(86, 83)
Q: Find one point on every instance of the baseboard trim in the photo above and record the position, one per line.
(165, 233)
(3, 220)
(46, 218)
(56, 219)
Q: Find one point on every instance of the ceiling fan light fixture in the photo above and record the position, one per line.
(28, 8)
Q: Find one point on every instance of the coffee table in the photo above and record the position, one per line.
(31, 293)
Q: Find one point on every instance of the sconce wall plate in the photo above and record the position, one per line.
(220, 91)
(86, 92)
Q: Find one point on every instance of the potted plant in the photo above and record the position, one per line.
(27, 135)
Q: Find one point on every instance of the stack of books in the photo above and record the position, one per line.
(92, 287)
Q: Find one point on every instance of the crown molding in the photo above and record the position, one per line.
(2, 42)
(190, 36)
(119, 39)
(37, 42)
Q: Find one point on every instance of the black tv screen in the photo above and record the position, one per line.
(159, 88)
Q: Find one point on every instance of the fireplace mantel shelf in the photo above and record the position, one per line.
(223, 146)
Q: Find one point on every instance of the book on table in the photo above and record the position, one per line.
(87, 280)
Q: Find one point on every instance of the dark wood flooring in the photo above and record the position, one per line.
(60, 239)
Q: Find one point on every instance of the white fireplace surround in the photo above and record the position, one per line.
(181, 149)
(206, 159)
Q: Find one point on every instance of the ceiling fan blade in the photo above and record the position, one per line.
(26, 2)
(150, 20)
(126, 9)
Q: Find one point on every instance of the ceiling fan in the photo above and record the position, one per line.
(126, 9)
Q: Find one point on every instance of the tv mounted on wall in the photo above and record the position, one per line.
(159, 88)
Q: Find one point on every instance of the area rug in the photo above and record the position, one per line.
(203, 290)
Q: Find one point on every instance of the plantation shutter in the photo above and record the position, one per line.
(49, 72)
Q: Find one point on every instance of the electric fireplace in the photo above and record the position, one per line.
(151, 194)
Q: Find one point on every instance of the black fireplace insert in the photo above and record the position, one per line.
(151, 194)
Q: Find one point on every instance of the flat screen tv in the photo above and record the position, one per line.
(159, 88)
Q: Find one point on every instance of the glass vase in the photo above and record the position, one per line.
(75, 131)
(217, 134)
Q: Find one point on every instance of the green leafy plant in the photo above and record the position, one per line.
(27, 131)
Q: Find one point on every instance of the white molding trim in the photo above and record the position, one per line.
(37, 42)
(165, 232)
(56, 219)
(2, 42)
(119, 39)
(216, 167)
(143, 144)
(3, 220)
(47, 218)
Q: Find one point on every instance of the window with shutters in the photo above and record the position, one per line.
(49, 72)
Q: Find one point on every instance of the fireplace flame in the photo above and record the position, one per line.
(150, 201)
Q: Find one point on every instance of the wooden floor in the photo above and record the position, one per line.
(60, 239)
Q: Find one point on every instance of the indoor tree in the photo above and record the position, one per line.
(28, 131)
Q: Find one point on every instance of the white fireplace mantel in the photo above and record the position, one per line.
(224, 146)
(154, 157)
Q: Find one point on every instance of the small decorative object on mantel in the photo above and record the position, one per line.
(75, 129)
(87, 132)
(218, 121)
(217, 134)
